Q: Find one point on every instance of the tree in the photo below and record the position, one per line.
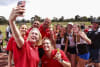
(37, 18)
(61, 19)
(55, 19)
(98, 18)
(3, 20)
(84, 18)
(91, 18)
(77, 18)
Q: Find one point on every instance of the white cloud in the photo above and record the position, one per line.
(56, 8)
(6, 2)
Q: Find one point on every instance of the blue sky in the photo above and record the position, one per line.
(53, 8)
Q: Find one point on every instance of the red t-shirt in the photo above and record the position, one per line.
(9, 45)
(27, 56)
(44, 33)
(50, 62)
(10, 42)
(28, 31)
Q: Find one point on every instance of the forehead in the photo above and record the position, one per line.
(47, 20)
(23, 26)
(46, 40)
(35, 31)
(75, 26)
(70, 25)
(36, 22)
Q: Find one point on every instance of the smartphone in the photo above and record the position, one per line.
(21, 3)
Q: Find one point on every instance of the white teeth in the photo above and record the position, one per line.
(33, 38)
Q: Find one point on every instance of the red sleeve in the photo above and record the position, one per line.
(49, 33)
(10, 44)
(63, 56)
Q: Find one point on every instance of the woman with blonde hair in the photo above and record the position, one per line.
(81, 41)
(26, 51)
(11, 47)
(70, 47)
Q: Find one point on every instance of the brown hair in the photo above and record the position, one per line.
(46, 38)
(77, 37)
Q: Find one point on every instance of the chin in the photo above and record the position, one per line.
(33, 41)
(46, 50)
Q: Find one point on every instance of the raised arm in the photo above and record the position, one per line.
(84, 36)
(15, 32)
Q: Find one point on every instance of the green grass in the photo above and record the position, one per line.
(3, 29)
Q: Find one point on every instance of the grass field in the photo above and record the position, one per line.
(3, 27)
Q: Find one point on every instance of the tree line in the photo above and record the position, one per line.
(77, 18)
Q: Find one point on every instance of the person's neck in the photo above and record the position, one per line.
(23, 36)
(48, 54)
(32, 44)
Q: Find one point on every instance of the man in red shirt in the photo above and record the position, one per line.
(46, 30)
(36, 24)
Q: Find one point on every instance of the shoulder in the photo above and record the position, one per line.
(11, 40)
(41, 25)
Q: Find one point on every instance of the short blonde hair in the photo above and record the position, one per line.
(40, 37)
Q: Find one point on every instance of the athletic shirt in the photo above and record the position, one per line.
(71, 41)
(58, 40)
(44, 33)
(81, 41)
(8, 30)
(51, 62)
(95, 38)
(62, 41)
(27, 56)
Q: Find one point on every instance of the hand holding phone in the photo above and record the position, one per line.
(21, 3)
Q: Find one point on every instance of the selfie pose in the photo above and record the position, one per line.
(26, 50)
(81, 41)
